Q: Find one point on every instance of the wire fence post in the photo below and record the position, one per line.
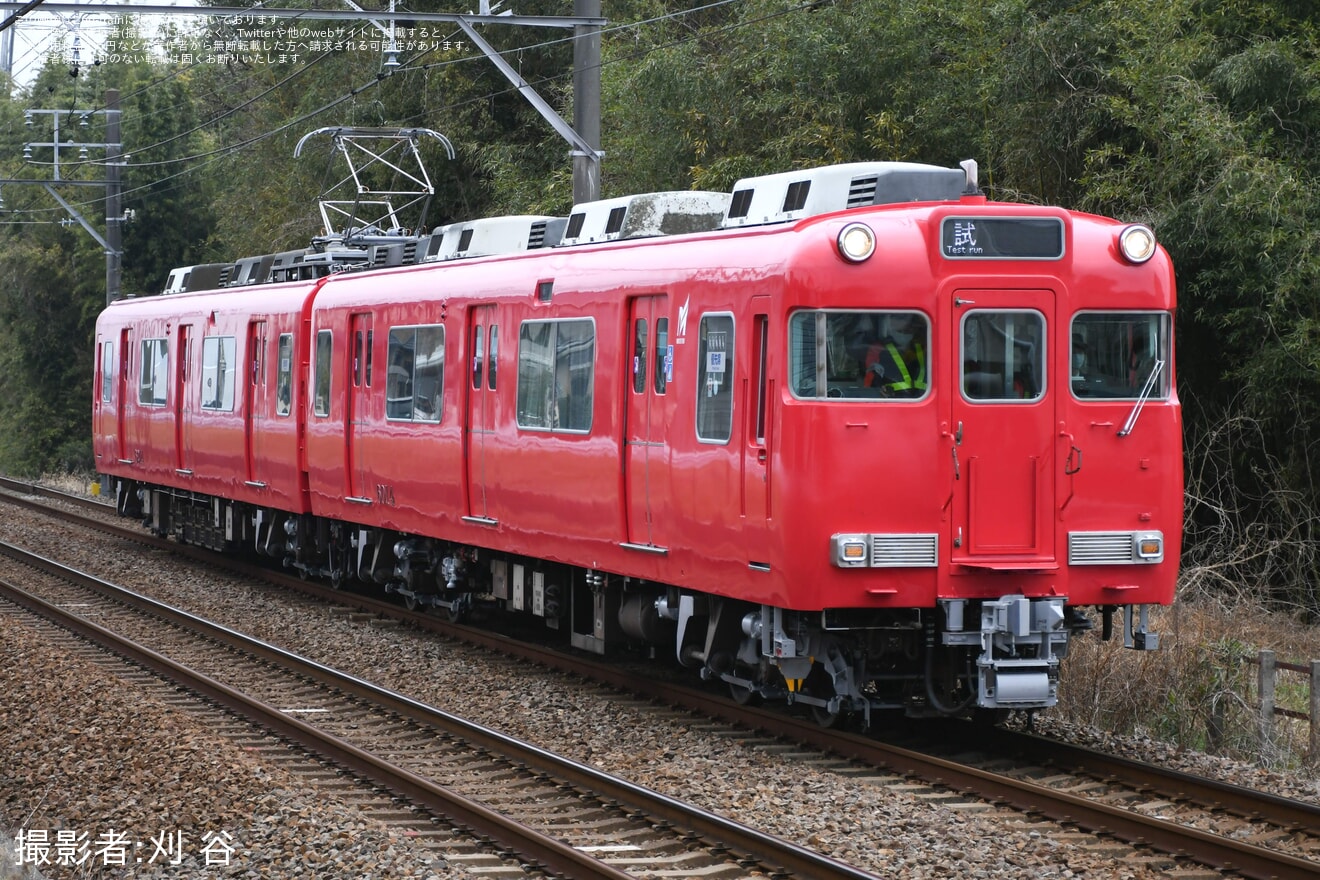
(1265, 687)
(1314, 753)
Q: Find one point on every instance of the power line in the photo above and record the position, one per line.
(19, 13)
(210, 157)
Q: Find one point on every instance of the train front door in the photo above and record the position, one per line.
(484, 340)
(646, 451)
(357, 419)
(1002, 431)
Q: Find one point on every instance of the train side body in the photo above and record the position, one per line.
(723, 441)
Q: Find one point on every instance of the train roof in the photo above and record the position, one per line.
(755, 201)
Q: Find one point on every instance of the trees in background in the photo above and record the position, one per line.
(1199, 117)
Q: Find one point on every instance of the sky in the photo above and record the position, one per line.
(83, 35)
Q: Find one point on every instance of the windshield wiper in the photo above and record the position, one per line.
(1146, 391)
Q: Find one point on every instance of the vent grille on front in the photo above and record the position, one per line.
(862, 191)
(742, 203)
(905, 551)
(1100, 548)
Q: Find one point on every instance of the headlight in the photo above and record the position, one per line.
(856, 242)
(1136, 243)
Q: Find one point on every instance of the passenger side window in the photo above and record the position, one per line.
(107, 371)
(414, 385)
(324, 351)
(218, 373)
(715, 379)
(284, 386)
(154, 375)
(556, 375)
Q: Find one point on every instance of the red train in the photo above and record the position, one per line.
(854, 437)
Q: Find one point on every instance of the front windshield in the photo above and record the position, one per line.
(859, 355)
(1112, 354)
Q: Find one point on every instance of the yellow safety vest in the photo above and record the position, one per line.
(907, 382)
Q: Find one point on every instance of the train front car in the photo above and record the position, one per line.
(978, 455)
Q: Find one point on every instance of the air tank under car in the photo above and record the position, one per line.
(855, 438)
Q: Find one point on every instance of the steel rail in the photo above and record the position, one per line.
(1246, 802)
(768, 850)
(551, 854)
(1244, 858)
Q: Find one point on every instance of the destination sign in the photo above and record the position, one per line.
(1002, 238)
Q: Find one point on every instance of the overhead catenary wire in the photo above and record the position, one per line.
(206, 159)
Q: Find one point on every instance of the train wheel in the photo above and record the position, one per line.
(742, 694)
(410, 601)
(459, 608)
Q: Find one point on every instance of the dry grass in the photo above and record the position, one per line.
(73, 484)
(1199, 690)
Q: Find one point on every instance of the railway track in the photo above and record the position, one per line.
(554, 813)
(1196, 820)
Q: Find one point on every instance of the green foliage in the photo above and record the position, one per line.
(1206, 709)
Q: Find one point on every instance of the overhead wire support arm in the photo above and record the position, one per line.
(567, 132)
(73, 212)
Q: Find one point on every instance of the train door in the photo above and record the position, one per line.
(121, 398)
(483, 339)
(646, 450)
(1001, 432)
(256, 404)
(357, 418)
(184, 413)
(103, 401)
(756, 446)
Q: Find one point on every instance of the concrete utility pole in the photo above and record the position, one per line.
(114, 213)
(586, 102)
(112, 242)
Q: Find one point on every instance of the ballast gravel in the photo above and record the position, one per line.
(85, 754)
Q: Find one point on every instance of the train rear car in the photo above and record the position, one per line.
(196, 411)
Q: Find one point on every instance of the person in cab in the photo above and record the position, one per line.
(896, 365)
